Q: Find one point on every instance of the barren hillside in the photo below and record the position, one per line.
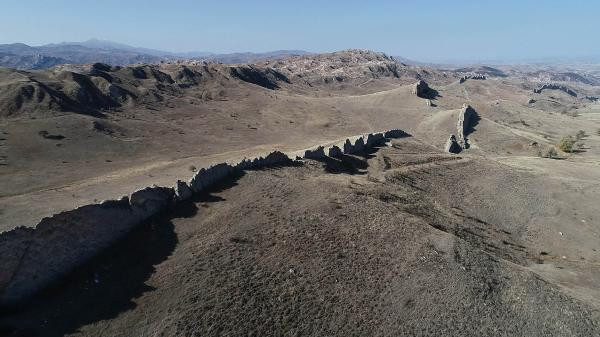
(362, 238)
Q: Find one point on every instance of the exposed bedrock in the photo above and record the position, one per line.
(31, 259)
(335, 152)
(472, 77)
(466, 117)
(35, 258)
(452, 145)
(182, 190)
(317, 153)
(422, 89)
(553, 86)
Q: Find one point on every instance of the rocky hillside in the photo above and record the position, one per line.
(97, 88)
(345, 66)
(550, 76)
(25, 57)
(19, 56)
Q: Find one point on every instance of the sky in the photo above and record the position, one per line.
(431, 31)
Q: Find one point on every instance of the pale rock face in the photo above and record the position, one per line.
(462, 125)
(552, 86)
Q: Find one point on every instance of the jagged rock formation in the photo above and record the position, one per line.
(317, 153)
(421, 89)
(34, 258)
(554, 86)
(182, 190)
(452, 145)
(465, 117)
(472, 77)
(343, 66)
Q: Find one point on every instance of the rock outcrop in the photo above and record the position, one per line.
(31, 259)
(472, 77)
(421, 89)
(553, 86)
(465, 117)
(317, 153)
(452, 145)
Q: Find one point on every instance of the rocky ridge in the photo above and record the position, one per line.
(34, 258)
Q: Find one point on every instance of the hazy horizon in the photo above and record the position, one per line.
(462, 31)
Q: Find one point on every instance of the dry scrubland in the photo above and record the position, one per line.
(401, 238)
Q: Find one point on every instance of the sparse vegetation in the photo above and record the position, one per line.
(550, 153)
(567, 144)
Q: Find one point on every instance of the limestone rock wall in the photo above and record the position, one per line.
(465, 118)
(472, 77)
(34, 258)
(552, 86)
(421, 89)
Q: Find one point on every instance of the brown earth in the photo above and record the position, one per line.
(412, 241)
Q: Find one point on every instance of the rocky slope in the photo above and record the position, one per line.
(345, 66)
(98, 88)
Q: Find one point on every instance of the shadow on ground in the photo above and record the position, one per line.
(108, 284)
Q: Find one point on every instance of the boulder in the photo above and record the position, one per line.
(452, 145)
(335, 152)
(150, 201)
(465, 117)
(421, 89)
(318, 153)
(182, 191)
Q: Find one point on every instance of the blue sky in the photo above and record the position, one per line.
(422, 30)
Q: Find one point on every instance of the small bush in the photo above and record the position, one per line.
(566, 144)
(551, 153)
(548, 153)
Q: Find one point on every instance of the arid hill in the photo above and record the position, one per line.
(362, 237)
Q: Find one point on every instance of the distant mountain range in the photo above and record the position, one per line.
(22, 56)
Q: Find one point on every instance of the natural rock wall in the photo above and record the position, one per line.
(34, 258)
(421, 89)
(465, 117)
(452, 145)
(552, 86)
(472, 77)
